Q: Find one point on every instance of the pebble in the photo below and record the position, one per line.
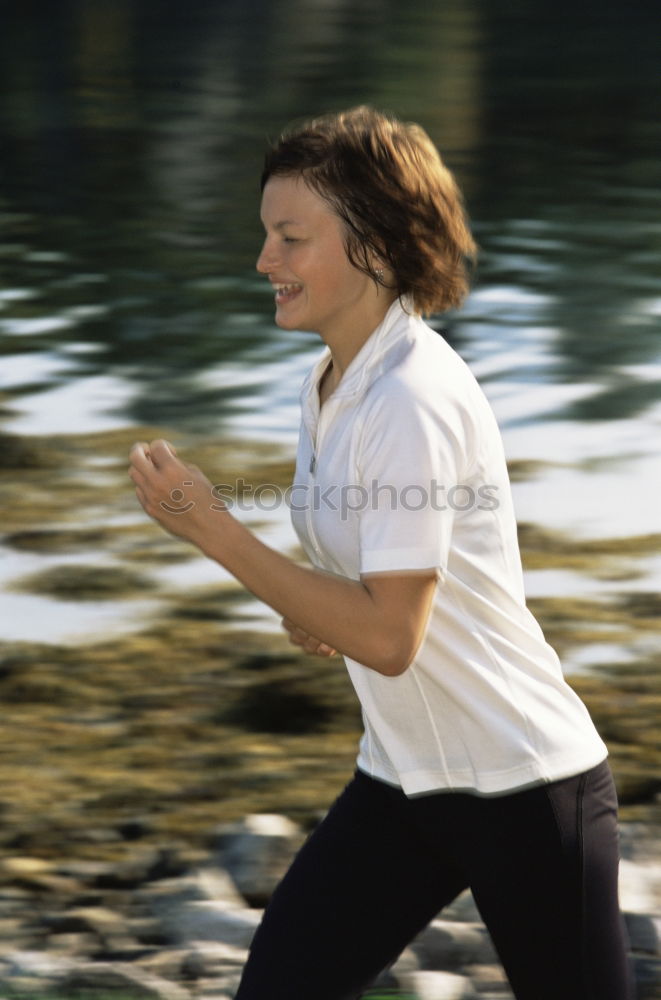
(211, 921)
(463, 909)
(640, 886)
(37, 964)
(125, 928)
(212, 884)
(453, 944)
(34, 873)
(257, 851)
(100, 976)
(439, 986)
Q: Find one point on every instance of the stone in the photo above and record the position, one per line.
(95, 835)
(640, 886)
(407, 962)
(647, 976)
(643, 931)
(36, 965)
(207, 959)
(168, 963)
(108, 977)
(439, 986)
(199, 961)
(225, 985)
(143, 866)
(11, 928)
(148, 931)
(56, 885)
(211, 921)
(210, 884)
(24, 867)
(24, 986)
(73, 944)
(462, 909)
(391, 977)
(109, 927)
(13, 898)
(639, 842)
(91, 873)
(257, 851)
(37, 874)
(446, 944)
(489, 978)
(135, 828)
(386, 980)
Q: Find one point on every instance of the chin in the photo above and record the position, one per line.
(284, 323)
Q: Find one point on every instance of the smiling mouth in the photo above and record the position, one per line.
(285, 293)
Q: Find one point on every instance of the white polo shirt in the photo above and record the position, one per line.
(403, 469)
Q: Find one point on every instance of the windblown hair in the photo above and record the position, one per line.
(399, 202)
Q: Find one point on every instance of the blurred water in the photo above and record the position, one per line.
(132, 136)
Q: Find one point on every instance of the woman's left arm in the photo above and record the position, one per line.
(378, 621)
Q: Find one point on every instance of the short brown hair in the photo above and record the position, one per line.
(398, 200)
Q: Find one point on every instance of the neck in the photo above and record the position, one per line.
(345, 345)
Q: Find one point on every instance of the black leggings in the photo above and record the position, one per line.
(542, 865)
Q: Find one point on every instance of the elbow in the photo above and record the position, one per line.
(396, 668)
(393, 658)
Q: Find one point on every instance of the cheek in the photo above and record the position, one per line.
(352, 281)
(339, 273)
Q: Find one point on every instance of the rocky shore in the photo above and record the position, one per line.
(169, 924)
(154, 782)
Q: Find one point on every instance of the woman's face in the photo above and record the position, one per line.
(316, 286)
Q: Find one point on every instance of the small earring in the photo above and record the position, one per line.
(378, 274)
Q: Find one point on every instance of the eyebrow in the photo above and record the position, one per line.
(284, 223)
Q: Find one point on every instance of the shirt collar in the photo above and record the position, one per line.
(371, 359)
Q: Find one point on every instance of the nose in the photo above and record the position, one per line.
(265, 261)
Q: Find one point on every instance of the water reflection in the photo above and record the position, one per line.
(132, 142)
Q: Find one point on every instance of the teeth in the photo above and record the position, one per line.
(286, 289)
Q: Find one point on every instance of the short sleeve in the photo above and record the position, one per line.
(409, 465)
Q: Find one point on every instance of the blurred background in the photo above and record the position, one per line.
(139, 685)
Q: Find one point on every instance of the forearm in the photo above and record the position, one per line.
(336, 610)
(379, 623)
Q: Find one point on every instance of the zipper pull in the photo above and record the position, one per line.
(313, 463)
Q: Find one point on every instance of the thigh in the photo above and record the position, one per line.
(358, 891)
(545, 881)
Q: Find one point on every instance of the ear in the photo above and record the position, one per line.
(382, 273)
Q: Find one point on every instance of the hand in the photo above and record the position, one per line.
(177, 495)
(300, 638)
